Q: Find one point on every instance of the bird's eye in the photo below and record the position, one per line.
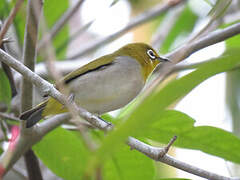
(151, 54)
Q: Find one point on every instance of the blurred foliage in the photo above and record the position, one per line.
(208, 139)
(232, 96)
(52, 15)
(4, 9)
(153, 106)
(141, 4)
(127, 164)
(66, 154)
(183, 27)
(5, 89)
(69, 163)
(173, 179)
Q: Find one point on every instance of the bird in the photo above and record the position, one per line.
(105, 84)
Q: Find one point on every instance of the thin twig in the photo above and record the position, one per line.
(10, 117)
(37, 132)
(48, 89)
(140, 19)
(9, 20)
(218, 9)
(8, 70)
(153, 152)
(59, 24)
(9, 74)
(212, 38)
(186, 50)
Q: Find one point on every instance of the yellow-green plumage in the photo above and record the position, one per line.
(96, 84)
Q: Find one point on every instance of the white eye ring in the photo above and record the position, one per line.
(151, 54)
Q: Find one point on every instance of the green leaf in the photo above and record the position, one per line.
(127, 164)
(20, 21)
(1, 151)
(233, 42)
(64, 153)
(53, 10)
(208, 139)
(183, 26)
(4, 9)
(173, 179)
(155, 104)
(5, 89)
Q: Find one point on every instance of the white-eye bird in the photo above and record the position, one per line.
(105, 84)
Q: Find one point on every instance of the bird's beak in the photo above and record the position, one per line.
(163, 59)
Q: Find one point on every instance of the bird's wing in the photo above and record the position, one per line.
(92, 66)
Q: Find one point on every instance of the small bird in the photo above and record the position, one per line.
(105, 84)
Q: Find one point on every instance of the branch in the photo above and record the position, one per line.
(7, 116)
(9, 74)
(48, 89)
(59, 24)
(140, 19)
(9, 20)
(29, 55)
(32, 163)
(212, 38)
(153, 153)
(56, 120)
(29, 52)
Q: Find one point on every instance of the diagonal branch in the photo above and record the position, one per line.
(153, 153)
(140, 19)
(48, 89)
(212, 38)
(36, 133)
(10, 117)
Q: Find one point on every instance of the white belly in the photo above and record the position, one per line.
(108, 88)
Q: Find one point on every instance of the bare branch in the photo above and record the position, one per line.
(59, 24)
(32, 164)
(140, 19)
(9, 20)
(10, 117)
(29, 51)
(29, 55)
(52, 123)
(153, 153)
(9, 74)
(49, 89)
(212, 38)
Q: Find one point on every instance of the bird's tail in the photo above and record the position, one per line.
(33, 115)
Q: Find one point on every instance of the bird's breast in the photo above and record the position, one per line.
(110, 87)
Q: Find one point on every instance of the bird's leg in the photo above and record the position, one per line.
(71, 99)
